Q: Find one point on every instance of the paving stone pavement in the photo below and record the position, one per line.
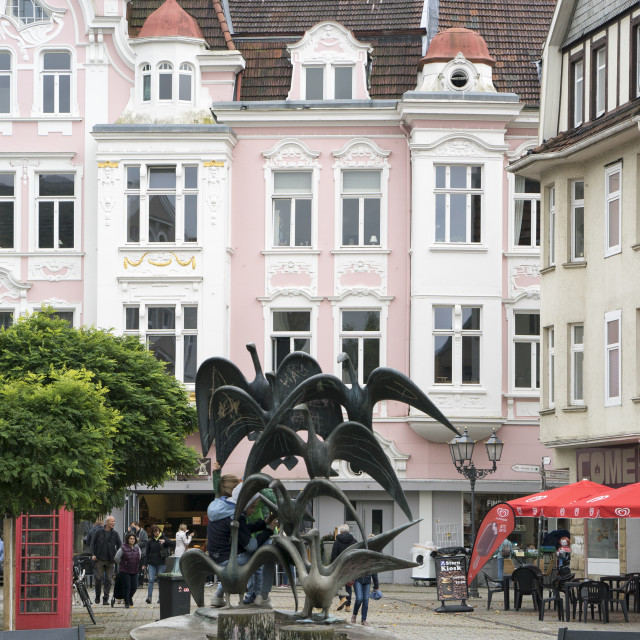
(405, 610)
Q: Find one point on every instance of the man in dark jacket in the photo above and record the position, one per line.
(105, 543)
(155, 558)
(220, 514)
(343, 540)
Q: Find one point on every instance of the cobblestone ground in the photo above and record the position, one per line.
(405, 610)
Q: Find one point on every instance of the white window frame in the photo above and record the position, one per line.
(328, 79)
(291, 334)
(293, 196)
(166, 69)
(534, 204)
(469, 192)
(186, 70)
(16, 209)
(362, 195)
(534, 341)
(13, 10)
(9, 73)
(75, 198)
(612, 245)
(146, 76)
(457, 334)
(600, 98)
(178, 332)
(57, 74)
(9, 310)
(577, 352)
(578, 92)
(609, 348)
(551, 367)
(360, 336)
(552, 226)
(637, 53)
(180, 193)
(577, 203)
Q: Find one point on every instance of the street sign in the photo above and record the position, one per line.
(559, 474)
(526, 468)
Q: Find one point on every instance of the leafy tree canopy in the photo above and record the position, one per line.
(43, 426)
(153, 411)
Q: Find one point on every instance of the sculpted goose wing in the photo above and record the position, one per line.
(388, 384)
(235, 415)
(357, 444)
(195, 566)
(274, 442)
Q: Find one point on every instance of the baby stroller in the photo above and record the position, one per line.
(118, 589)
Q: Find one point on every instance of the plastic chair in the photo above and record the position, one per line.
(554, 596)
(493, 586)
(524, 584)
(593, 593)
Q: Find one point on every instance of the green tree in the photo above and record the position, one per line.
(43, 426)
(154, 414)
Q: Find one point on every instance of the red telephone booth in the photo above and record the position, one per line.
(44, 560)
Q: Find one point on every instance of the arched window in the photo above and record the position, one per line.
(5, 82)
(165, 81)
(146, 82)
(185, 82)
(27, 11)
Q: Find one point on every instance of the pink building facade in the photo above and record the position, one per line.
(203, 184)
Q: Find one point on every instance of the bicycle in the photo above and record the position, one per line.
(81, 587)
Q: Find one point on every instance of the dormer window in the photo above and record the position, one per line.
(329, 82)
(165, 81)
(329, 64)
(26, 11)
(459, 79)
(185, 82)
(146, 82)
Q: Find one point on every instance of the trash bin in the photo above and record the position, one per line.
(421, 554)
(175, 597)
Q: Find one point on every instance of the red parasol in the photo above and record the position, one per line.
(610, 503)
(555, 503)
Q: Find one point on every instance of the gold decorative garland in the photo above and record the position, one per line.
(183, 263)
(107, 165)
(213, 163)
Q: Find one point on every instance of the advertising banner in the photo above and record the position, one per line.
(495, 527)
(451, 578)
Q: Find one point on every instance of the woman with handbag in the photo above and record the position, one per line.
(128, 561)
(361, 588)
(158, 550)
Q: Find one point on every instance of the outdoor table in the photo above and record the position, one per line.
(506, 586)
(566, 587)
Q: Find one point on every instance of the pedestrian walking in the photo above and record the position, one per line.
(128, 559)
(362, 589)
(183, 540)
(158, 550)
(344, 539)
(105, 543)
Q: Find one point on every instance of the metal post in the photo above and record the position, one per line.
(471, 474)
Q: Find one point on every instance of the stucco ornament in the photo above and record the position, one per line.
(361, 152)
(215, 176)
(291, 153)
(10, 287)
(108, 177)
(55, 269)
(34, 34)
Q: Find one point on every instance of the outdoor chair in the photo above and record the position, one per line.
(634, 589)
(493, 586)
(554, 596)
(624, 589)
(590, 595)
(524, 584)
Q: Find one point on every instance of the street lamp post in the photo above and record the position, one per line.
(461, 448)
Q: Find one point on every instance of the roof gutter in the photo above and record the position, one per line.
(531, 159)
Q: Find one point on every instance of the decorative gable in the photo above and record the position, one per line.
(329, 64)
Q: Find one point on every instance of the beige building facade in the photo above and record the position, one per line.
(588, 166)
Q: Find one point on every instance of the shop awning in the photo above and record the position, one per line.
(558, 502)
(610, 503)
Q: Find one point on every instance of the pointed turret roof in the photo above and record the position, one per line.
(170, 20)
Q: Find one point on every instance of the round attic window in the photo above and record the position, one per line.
(459, 79)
